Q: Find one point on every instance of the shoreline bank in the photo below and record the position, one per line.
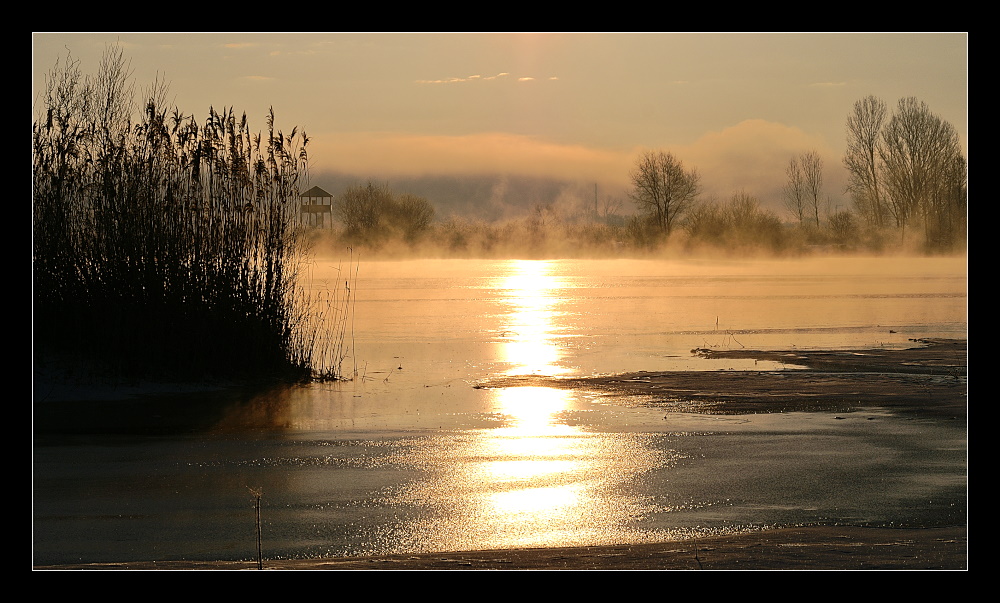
(800, 548)
(928, 379)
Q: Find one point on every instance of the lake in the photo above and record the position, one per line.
(411, 456)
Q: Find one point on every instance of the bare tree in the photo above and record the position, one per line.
(812, 173)
(362, 208)
(862, 159)
(662, 189)
(920, 153)
(908, 167)
(804, 185)
(947, 218)
(411, 215)
(373, 213)
(608, 208)
(795, 189)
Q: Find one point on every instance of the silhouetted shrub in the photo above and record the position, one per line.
(373, 215)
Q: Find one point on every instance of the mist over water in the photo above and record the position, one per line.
(411, 456)
(603, 316)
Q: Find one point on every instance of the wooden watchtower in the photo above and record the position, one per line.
(316, 208)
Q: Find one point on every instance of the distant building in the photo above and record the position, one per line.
(316, 208)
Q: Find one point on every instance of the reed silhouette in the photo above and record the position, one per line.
(166, 247)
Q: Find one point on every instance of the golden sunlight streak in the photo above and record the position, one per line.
(529, 333)
(538, 504)
(534, 441)
(535, 466)
(534, 481)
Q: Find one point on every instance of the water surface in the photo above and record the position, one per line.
(410, 456)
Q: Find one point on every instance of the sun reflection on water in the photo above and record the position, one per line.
(530, 345)
(539, 505)
(533, 440)
(533, 481)
(540, 477)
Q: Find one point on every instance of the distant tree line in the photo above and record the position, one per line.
(667, 196)
(738, 224)
(906, 172)
(907, 176)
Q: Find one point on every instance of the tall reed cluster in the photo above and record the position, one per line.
(163, 246)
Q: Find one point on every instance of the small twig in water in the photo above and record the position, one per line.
(736, 340)
(256, 497)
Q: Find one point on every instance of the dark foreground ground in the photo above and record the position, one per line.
(928, 380)
(810, 548)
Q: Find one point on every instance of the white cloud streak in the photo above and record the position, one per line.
(470, 78)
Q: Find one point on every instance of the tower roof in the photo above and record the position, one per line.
(315, 192)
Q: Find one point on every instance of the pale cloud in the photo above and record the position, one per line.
(750, 156)
(386, 154)
(470, 78)
(480, 78)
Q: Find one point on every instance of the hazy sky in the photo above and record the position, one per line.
(580, 106)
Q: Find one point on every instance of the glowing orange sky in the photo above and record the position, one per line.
(574, 106)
